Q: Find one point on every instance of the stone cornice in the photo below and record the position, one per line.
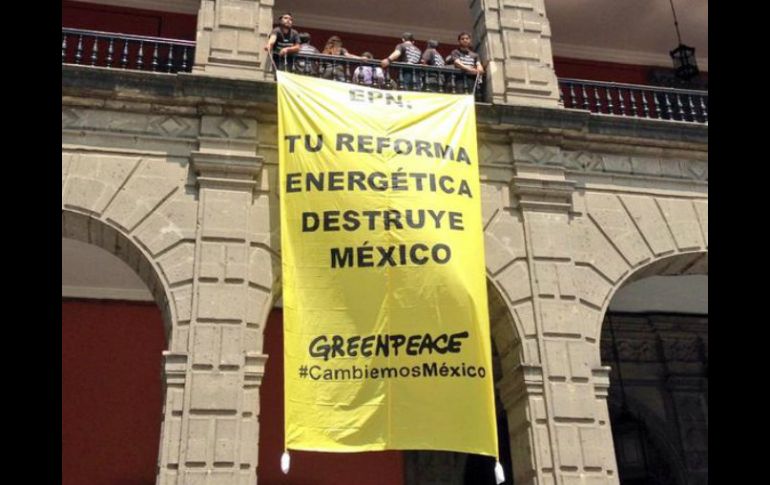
(259, 97)
(226, 171)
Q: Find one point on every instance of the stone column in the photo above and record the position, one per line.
(557, 407)
(514, 36)
(211, 429)
(231, 38)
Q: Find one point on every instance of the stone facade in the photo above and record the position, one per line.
(176, 175)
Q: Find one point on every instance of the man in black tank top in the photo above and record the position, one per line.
(466, 60)
(283, 42)
(408, 53)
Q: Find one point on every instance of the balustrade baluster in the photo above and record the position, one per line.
(609, 100)
(110, 51)
(622, 103)
(572, 95)
(63, 47)
(679, 106)
(645, 108)
(170, 58)
(585, 96)
(79, 50)
(94, 51)
(124, 57)
(183, 66)
(140, 56)
(631, 95)
(692, 108)
(155, 58)
(704, 109)
(658, 111)
(669, 114)
(597, 100)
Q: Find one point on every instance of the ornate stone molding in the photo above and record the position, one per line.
(543, 194)
(226, 171)
(174, 367)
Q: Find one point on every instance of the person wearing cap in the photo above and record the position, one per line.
(283, 41)
(408, 53)
(432, 57)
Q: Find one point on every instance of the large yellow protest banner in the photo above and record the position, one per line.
(386, 331)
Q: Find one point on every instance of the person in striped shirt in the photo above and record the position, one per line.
(466, 60)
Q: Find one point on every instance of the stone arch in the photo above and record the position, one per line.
(505, 330)
(82, 227)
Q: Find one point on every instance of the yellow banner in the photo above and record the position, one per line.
(386, 330)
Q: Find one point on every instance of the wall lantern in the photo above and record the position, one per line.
(683, 56)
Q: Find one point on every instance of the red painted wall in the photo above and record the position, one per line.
(79, 15)
(111, 405)
(111, 392)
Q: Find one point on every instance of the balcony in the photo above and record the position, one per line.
(156, 54)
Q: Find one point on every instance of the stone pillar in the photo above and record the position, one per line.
(557, 407)
(211, 426)
(231, 38)
(514, 36)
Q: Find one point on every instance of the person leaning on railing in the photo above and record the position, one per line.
(332, 70)
(465, 59)
(283, 41)
(369, 75)
(303, 65)
(432, 57)
(405, 52)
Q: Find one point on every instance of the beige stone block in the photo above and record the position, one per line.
(172, 429)
(568, 444)
(205, 344)
(496, 48)
(223, 302)
(225, 440)
(258, 306)
(177, 264)
(591, 247)
(556, 356)
(591, 286)
(261, 267)
(510, 19)
(172, 222)
(223, 40)
(515, 70)
(525, 316)
(565, 273)
(238, 15)
(238, 128)
(683, 223)
(543, 446)
(180, 338)
(522, 46)
(610, 215)
(153, 181)
(646, 166)
(537, 404)
(94, 179)
(194, 477)
(265, 22)
(546, 279)
(549, 231)
(252, 340)
(198, 431)
(248, 43)
(542, 75)
(504, 241)
(561, 317)
(650, 222)
(595, 447)
(214, 391)
(702, 211)
(224, 477)
(582, 358)
(225, 214)
(514, 281)
(212, 260)
(572, 400)
(236, 262)
(249, 441)
(232, 346)
(183, 302)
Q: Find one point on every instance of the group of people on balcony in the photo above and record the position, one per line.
(289, 50)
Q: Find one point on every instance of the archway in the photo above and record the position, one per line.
(655, 338)
(112, 346)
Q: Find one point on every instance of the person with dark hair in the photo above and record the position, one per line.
(465, 59)
(302, 65)
(432, 57)
(283, 41)
(332, 70)
(369, 75)
(408, 53)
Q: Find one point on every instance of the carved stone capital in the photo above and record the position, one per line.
(174, 367)
(601, 378)
(226, 171)
(543, 194)
(254, 368)
(524, 380)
